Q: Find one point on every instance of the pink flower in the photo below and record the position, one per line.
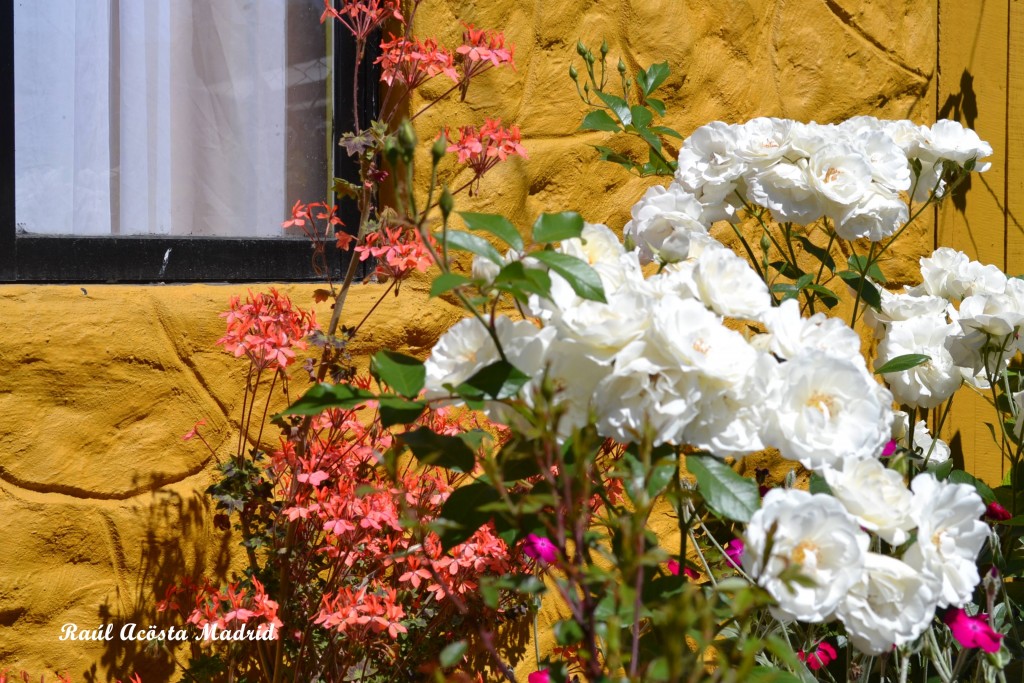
(540, 548)
(194, 432)
(734, 552)
(889, 448)
(997, 513)
(822, 655)
(673, 568)
(541, 676)
(972, 632)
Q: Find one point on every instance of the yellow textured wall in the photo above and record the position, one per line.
(99, 495)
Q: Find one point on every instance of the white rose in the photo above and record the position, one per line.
(940, 273)
(896, 306)
(467, 347)
(842, 175)
(791, 335)
(729, 286)
(762, 142)
(641, 398)
(814, 534)
(950, 534)
(729, 423)
(891, 605)
(948, 139)
(934, 450)
(596, 244)
(828, 411)
(663, 222)
(879, 214)
(876, 496)
(787, 190)
(687, 335)
(929, 384)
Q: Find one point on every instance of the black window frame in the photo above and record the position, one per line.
(33, 258)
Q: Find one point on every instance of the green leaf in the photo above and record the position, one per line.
(663, 472)
(659, 106)
(617, 105)
(402, 373)
(458, 239)
(728, 494)
(398, 411)
(868, 292)
(517, 460)
(453, 653)
(496, 381)
(650, 138)
(665, 130)
(446, 282)
(642, 116)
(654, 76)
(583, 279)
(942, 470)
(323, 396)
(609, 154)
(961, 477)
(567, 632)
(599, 120)
(463, 514)
(440, 450)
(530, 280)
(555, 227)
(827, 296)
(657, 165)
(858, 263)
(496, 225)
(904, 362)
(819, 485)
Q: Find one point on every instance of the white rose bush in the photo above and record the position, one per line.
(635, 384)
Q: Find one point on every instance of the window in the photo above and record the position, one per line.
(166, 140)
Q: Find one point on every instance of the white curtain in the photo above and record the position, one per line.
(164, 116)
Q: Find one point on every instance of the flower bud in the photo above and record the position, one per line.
(581, 49)
(604, 48)
(573, 74)
(437, 152)
(447, 203)
(622, 67)
(407, 137)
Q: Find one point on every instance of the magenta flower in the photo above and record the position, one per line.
(822, 655)
(541, 549)
(889, 448)
(997, 513)
(541, 676)
(673, 568)
(734, 552)
(972, 631)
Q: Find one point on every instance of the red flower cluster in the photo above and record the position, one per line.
(266, 328)
(481, 47)
(361, 17)
(398, 251)
(355, 514)
(481, 149)
(209, 604)
(412, 62)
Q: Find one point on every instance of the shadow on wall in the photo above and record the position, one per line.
(963, 107)
(176, 543)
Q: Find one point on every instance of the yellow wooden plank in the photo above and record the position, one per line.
(972, 88)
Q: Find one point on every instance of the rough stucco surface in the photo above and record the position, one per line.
(98, 494)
